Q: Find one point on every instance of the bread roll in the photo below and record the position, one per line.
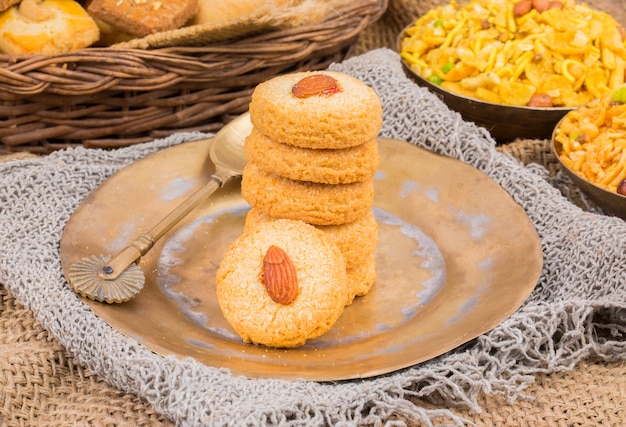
(143, 17)
(46, 27)
(211, 11)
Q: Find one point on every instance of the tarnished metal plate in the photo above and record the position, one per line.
(456, 256)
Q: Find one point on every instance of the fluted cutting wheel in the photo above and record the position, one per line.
(85, 278)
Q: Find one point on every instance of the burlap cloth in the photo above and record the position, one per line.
(42, 384)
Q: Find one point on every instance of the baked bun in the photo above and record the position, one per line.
(320, 286)
(46, 27)
(141, 18)
(213, 12)
(320, 109)
(317, 204)
(342, 166)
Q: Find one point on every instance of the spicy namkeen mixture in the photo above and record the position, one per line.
(593, 141)
(539, 53)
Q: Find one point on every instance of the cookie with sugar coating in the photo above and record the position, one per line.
(327, 166)
(361, 278)
(321, 285)
(356, 240)
(314, 203)
(345, 116)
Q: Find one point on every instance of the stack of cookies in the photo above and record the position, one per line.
(312, 155)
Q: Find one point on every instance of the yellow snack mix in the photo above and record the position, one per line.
(506, 51)
(593, 140)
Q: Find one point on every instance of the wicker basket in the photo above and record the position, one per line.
(106, 97)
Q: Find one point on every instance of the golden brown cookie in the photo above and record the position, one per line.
(356, 240)
(361, 278)
(318, 115)
(314, 203)
(341, 166)
(320, 291)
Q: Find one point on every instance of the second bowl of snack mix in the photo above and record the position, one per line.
(590, 143)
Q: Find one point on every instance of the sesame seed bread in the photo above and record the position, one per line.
(321, 281)
(314, 203)
(346, 118)
(339, 166)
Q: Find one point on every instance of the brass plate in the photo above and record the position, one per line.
(456, 256)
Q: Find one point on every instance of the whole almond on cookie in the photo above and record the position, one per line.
(321, 292)
(317, 84)
(279, 276)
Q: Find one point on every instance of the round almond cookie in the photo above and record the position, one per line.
(340, 166)
(316, 109)
(314, 203)
(281, 284)
(361, 278)
(356, 240)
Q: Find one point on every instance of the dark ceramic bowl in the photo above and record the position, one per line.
(505, 122)
(611, 203)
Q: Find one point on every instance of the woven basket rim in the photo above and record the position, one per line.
(112, 97)
(19, 71)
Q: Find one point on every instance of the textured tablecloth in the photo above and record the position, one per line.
(577, 310)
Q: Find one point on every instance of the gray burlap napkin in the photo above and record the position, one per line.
(578, 309)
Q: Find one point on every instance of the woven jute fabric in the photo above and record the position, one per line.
(577, 311)
(42, 385)
(574, 375)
